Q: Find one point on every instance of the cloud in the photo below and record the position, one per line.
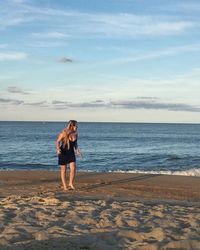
(12, 56)
(8, 101)
(98, 101)
(17, 90)
(3, 45)
(37, 104)
(148, 103)
(147, 98)
(60, 102)
(47, 35)
(10, 21)
(89, 105)
(135, 104)
(19, 1)
(189, 7)
(11, 101)
(157, 54)
(47, 44)
(128, 25)
(133, 26)
(65, 60)
(92, 104)
(79, 24)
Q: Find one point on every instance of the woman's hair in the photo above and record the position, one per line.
(71, 124)
(67, 131)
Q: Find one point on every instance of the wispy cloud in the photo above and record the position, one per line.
(92, 104)
(154, 105)
(149, 98)
(130, 25)
(15, 56)
(189, 6)
(2, 45)
(17, 90)
(37, 104)
(157, 54)
(47, 35)
(148, 103)
(88, 24)
(60, 103)
(11, 21)
(19, 1)
(46, 44)
(11, 101)
(145, 103)
(8, 101)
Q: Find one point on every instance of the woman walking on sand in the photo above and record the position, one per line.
(65, 145)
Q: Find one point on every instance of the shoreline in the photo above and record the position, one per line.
(106, 211)
(112, 184)
(193, 172)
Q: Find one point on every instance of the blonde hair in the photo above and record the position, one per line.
(67, 131)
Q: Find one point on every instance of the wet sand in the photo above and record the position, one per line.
(106, 211)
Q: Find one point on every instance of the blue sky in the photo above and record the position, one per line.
(113, 60)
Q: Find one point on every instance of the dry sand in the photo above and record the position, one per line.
(106, 211)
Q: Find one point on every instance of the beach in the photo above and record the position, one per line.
(106, 211)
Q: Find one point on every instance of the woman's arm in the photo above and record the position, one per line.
(60, 137)
(78, 152)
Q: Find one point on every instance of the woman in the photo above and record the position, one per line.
(65, 145)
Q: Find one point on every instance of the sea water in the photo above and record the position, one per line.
(106, 147)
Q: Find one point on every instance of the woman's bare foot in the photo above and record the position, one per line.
(71, 187)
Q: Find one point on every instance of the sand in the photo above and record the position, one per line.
(106, 211)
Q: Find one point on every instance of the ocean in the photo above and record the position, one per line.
(106, 147)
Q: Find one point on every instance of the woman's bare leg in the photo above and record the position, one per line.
(72, 174)
(63, 169)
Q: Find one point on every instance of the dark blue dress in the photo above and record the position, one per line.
(67, 154)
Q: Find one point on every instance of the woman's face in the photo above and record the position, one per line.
(75, 127)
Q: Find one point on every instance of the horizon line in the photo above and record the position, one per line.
(126, 122)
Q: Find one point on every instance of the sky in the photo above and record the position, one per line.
(100, 60)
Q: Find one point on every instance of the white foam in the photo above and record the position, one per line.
(189, 172)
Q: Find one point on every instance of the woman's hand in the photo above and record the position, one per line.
(78, 152)
(60, 137)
